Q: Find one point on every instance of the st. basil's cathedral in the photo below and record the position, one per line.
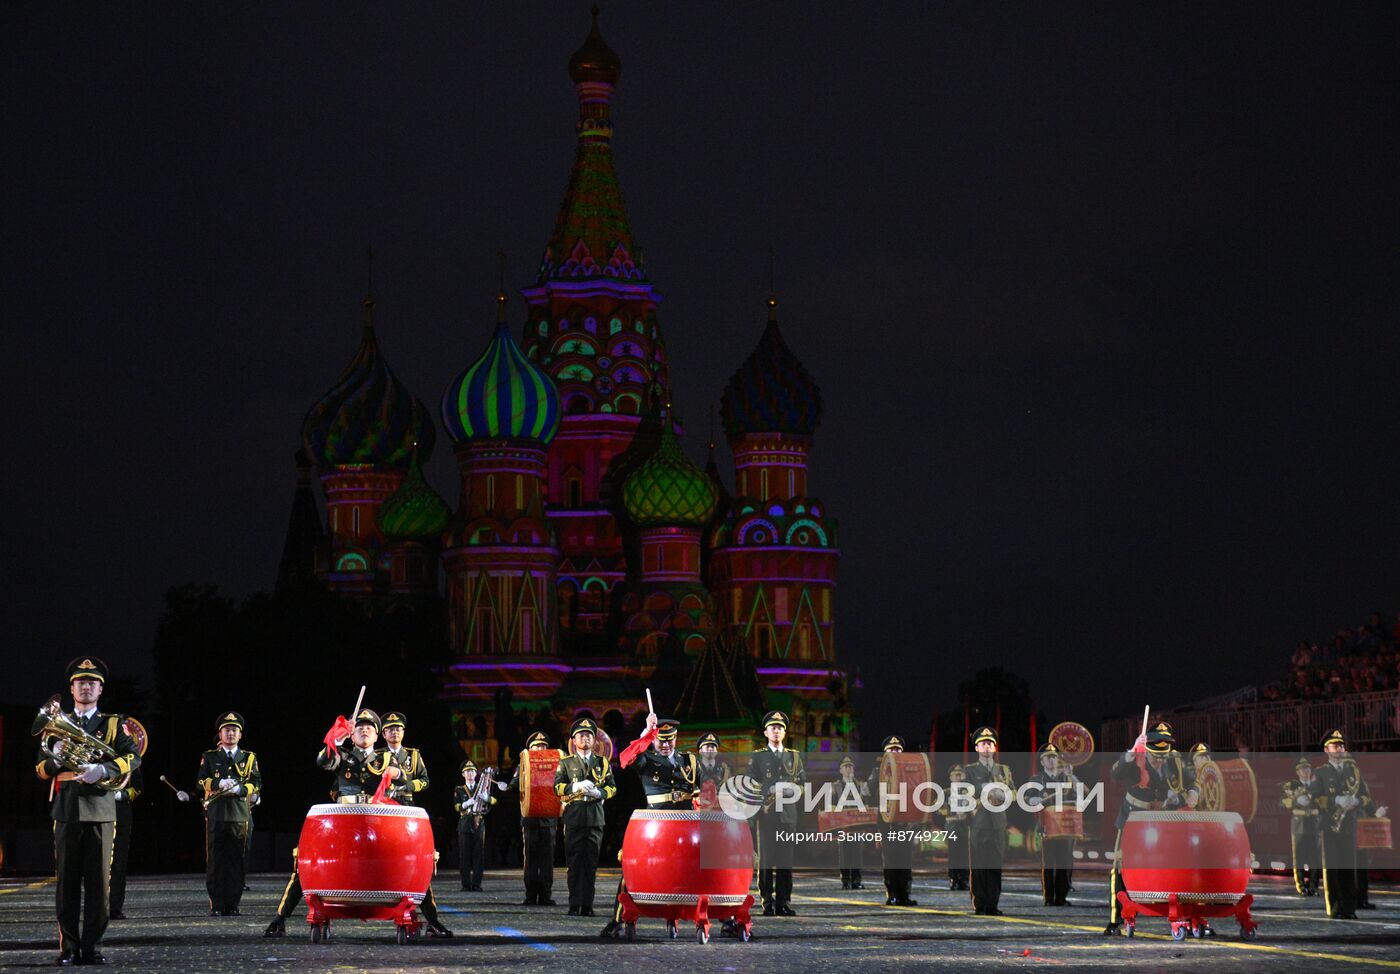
(588, 558)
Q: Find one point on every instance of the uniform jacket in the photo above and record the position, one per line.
(582, 810)
(1330, 782)
(1166, 786)
(216, 765)
(984, 820)
(77, 802)
(461, 795)
(356, 773)
(1303, 818)
(415, 774)
(663, 777)
(768, 768)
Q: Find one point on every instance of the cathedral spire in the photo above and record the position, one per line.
(592, 237)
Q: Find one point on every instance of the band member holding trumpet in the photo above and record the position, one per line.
(472, 804)
(1340, 793)
(228, 775)
(583, 781)
(411, 781)
(771, 766)
(88, 756)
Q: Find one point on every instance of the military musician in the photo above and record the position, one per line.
(896, 856)
(988, 829)
(228, 776)
(1056, 854)
(955, 822)
(471, 826)
(1342, 795)
(537, 838)
(583, 781)
(849, 858)
(771, 766)
(1302, 828)
(410, 782)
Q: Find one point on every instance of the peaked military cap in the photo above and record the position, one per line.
(230, 718)
(468, 765)
(1200, 748)
(1302, 763)
(984, 734)
(87, 668)
(1334, 737)
(584, 725)
(367, 716)
(392, 719)
(956, 769)
(667, 729)
(537, 738)
(775, 717)
(707, 739)
(892, 743)
(1048, 748)
(1160, 739)
(846, 762)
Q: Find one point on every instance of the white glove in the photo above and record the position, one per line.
(594, 791)
(1302, 801)
(1348, 801)
(1380, 812)
(503, 785)
(58, 747)
(92, 774)
(183, 796)
(579, 787)
(227, 784)
(121, 796)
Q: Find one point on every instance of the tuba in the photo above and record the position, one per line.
(79, 747)
(480, 802)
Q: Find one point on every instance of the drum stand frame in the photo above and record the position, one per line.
(700, 914)
(1189, 918)
(319, 915)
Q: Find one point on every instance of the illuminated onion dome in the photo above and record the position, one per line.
(595, 61)
(771, 392)
(414, 510)
(368, 416)
(502, 395)
(667, 489)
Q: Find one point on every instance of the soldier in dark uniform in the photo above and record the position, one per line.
(583, 781)
(1341, 795)
(1056, 855)
(1200, 756)
(710, 768)
(1156, 777)
(84, 816)
(471, 827)
(668, 780)
(121, 844)
(1302, 828)
(357, 769)
(537, 839)
(957, 824)
(411, 783)
(771, 766)
(896, 855)
(988, 829)
(228, 775)
(849, 858)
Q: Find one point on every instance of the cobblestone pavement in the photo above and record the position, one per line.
(837, 931)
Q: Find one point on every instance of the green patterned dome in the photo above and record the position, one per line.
(415, 510)
(668, 489)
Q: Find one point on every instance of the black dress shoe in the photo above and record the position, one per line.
(1366, 906)
(613, 929)
(213, 912)
(529, 901)
(587, 912)
(116, 915)
(786, 911)
(66, 959)
(91, 957)
(547, 902)
(845, 885)
(889, 901)
(857, 886)
(906, 901)
(232, 913)
(277, 928)
(1112, 930)
(768, 910)
(436, 929)
(994, 912)
(573, 911)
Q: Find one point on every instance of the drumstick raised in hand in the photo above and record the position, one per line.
(650, 708)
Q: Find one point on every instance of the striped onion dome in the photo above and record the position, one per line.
(771, 392)
(368, 416)
(414, 510)
(667, 489)
(502, 395)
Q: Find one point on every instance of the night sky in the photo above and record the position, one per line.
(1102, 300)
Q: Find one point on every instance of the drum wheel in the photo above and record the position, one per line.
(745, 933)
(401, 935)
(1178, 931)
(316, 933)
(702, 936)
(1132, 929)
(630, 932)
(1248, 933)
(673, 929)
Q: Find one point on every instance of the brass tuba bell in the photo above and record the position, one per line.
(79, 747)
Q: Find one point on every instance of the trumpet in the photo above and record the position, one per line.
(480, 802)
(52, 726)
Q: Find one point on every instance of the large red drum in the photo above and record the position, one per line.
(1228, 786)
(537, 797)
(904, 772)
(365, 855)
(1202, 857)
(1062, 822)
(1373, 833)
(672, 858)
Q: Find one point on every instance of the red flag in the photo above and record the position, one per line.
(340, 730)
(381, 796)
(630, 752)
